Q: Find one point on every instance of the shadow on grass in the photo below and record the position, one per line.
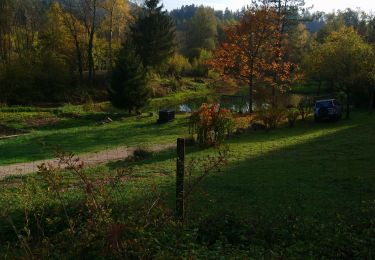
(316, 178)
(168, 155)
(319, 175)
(323, 177)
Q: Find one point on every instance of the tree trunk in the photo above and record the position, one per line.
(110, 49)
(91, 60)
(251, 88)
(91, 46)
(70, 23)
(110, 61)
(273, 97)
(79, 58)
(9, 49)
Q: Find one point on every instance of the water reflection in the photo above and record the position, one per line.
(236, 104)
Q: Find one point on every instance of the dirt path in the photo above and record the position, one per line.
(91, 159)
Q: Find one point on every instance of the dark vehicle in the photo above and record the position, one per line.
(328, 109)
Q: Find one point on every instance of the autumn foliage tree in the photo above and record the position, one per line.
(211, 124)
(114, 24)
(249, 52)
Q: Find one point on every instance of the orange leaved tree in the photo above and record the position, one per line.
(250, 51)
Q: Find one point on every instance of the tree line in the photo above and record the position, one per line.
(270, 48)
(67, 50)
(49, 49)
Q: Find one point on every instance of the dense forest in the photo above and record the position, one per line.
(65, 51)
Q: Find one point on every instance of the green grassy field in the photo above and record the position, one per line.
(292, 192)
(84, 135)
(319, 168)
(309, 156)
(53, 129)
(304, 186)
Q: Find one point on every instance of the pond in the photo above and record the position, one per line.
(236, 102)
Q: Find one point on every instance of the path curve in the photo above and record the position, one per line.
(120, 153)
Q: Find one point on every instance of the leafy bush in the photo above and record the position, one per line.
(211, 124)
(292, 115)
(270, 117)
(305, 108)
(214, 75)
(159, 92)
(242, 122)
(199, 64)
(178, 65)
(141, 154)
(175, 84)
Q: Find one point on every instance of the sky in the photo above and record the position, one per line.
(319, 5)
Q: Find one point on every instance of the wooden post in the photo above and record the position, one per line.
(180, 174)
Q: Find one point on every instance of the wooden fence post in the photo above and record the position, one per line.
(180, 174)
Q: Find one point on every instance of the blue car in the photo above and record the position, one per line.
(328, 109)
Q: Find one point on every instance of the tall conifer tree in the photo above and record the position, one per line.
(129, 89)
(154, 34)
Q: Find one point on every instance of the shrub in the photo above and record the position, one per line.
(214, 75)
(242, 122)
(270, 117)
(141, 154)
(159, 91)
(178, 65)
(292, 115)
(211, 124)
(305, 108)
(175, 84)
(199, 64)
